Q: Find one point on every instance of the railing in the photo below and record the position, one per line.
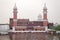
(28, 31)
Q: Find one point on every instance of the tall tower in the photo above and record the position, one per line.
(15, 17)
(45, 12)
(45, 21)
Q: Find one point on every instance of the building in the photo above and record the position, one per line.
(50, 25)
(26, 24)
(24, 29)
(4, 28)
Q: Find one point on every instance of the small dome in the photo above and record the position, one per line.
(39, 17)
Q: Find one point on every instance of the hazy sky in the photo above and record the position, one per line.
(29, 9)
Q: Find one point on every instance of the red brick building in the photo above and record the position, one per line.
(26, 24)
(24, 29)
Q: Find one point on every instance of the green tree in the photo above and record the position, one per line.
(57, 28)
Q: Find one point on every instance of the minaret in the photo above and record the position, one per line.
(45, 12)
(45, 21)
(15, 17)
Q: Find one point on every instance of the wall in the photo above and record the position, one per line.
(4, 28)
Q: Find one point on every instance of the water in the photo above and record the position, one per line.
(34, 36)
(54, 37)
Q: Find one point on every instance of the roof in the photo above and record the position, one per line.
(26, 22)
(4, 24)
(23, 20)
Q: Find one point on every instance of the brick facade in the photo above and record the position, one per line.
(26, 24)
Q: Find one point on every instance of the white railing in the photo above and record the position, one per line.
(28, 31)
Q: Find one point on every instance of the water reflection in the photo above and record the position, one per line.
(54, 37)
(35, 36)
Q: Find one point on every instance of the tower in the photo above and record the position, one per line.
(45, 12)
(15, 17)
(45, 21)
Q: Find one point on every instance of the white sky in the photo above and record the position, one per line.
(29, 9)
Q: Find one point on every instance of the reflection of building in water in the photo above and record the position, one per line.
(53, 37)
(24, 29)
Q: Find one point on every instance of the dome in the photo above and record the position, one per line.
(39, 17)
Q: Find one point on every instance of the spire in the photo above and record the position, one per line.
(15, 12)
(45, 12)
(15, 7)
(45, 7)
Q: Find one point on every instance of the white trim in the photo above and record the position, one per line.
(13, 28)
(45, 20)
(27, 31)
(46, 28)
(14, 19)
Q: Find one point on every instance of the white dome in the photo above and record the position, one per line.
(39, 17)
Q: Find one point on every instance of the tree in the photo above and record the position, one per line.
(57, 28)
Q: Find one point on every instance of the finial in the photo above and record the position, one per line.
(15, 7)
(45, 6)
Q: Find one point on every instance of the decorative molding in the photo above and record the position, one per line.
(45, 20)
(32, 31)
